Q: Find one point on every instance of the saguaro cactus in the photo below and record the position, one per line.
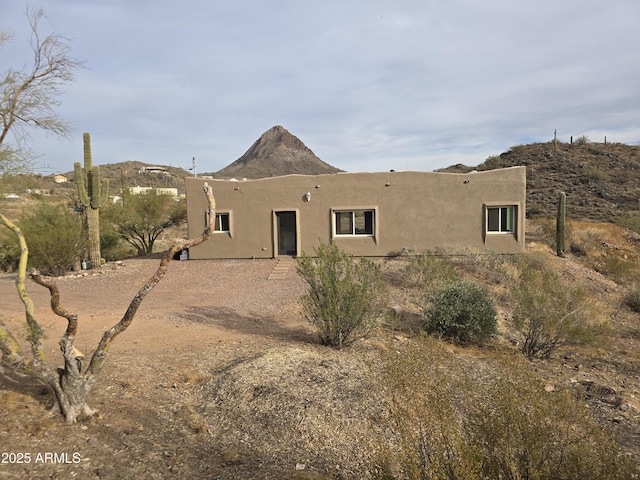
(93, 194)
(562, 207)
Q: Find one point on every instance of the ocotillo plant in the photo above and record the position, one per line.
(93, 194)
(562, 207)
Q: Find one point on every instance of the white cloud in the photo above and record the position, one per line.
(364, 83)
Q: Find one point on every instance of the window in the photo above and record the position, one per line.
(222, 222)
(500, 219)
(356, 222)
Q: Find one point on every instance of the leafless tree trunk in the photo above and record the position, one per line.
(73, 383)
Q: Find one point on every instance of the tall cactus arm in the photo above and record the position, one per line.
(99, 189)
(94, 193)
(560, 224)
(79, 181)
(104, 192)
(86, 139)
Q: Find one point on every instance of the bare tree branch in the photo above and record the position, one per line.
(99, 356)
(35, 333)
(29, 98)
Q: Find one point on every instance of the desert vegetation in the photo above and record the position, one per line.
(508, 367)
(468, 378)
(456, 418)
(346, 295)
(494, 366)
(72, 384)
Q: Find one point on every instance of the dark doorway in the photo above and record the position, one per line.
(286, 223)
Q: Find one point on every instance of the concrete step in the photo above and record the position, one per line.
(281, 268)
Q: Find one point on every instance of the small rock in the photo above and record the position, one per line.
(611, 399)
(300, 466)
(396, 310)
(102, 472)
(549, 388)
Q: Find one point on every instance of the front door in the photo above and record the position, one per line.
(286, 223)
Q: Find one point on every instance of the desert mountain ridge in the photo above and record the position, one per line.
(277, 152)
(601, 180)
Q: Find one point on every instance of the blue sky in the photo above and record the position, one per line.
(367, 85)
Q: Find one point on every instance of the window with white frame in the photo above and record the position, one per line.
(501, 219)
(222, 222)
(354, 222)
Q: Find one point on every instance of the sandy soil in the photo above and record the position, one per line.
(216, 349)
(200, 317)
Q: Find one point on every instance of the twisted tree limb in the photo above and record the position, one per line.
(72, 385)
(99, 356)
(12, 353)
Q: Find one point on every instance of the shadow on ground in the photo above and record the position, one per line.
(250, 324)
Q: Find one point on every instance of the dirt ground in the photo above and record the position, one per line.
(201, 317)
(207, 352)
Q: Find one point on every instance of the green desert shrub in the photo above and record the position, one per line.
(54, 238)
(462, 312)
(346, 295)
(582, 140)
(112, 247)
(9, 250)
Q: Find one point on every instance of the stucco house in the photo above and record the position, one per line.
(366, 214)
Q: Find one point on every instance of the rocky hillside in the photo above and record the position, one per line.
(277, 152)
(132, 174)
(602, 181)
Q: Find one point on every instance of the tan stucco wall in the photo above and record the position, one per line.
(425, 210)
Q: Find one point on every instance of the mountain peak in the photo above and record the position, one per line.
(279, 136)
(277, 152)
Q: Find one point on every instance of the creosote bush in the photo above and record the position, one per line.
(462, 312)
(55, 238)
(450, 421)
(346, 295)
(549, 313)
(632, 298)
